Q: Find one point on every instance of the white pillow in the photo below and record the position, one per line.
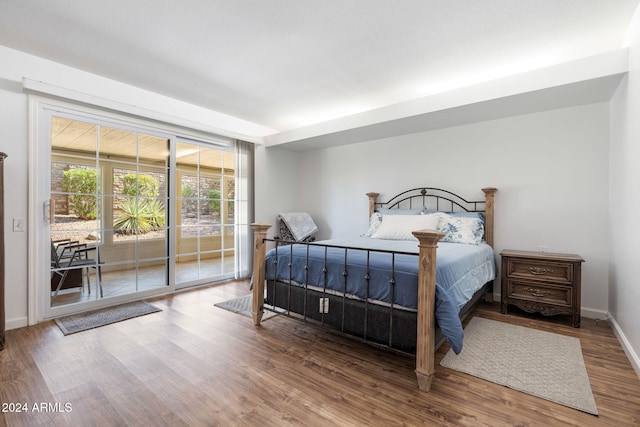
(399, 227)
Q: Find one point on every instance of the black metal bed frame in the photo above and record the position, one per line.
(364, 314)
(367, 321)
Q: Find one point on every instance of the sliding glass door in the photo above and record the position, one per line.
(108, 208)
(131, 211)
(205, 209)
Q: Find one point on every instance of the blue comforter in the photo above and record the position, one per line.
(460, 271)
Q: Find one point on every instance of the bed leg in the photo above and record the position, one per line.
(425, 340)
(259, 252)
(424, 380)
(488, 296)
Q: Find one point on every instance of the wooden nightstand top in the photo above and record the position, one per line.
(541, 255)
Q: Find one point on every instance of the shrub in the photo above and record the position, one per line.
(134, 184)
(186, 191)
(214, 201)
(82, 184)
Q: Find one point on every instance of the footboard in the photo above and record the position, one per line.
(425, 337)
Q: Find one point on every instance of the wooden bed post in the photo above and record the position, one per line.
(489, 193)
(425, 340)
(259, 252)
(372, 202)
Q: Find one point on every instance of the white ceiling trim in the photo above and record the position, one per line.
(187, 128)
(583, 81)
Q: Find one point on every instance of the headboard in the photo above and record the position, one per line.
(437, 199)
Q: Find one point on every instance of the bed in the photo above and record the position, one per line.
(381, 287)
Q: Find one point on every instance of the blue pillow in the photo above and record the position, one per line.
(448, 320)
(393, 211)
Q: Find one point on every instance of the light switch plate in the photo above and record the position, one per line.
(18, 224)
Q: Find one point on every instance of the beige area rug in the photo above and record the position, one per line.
(539, 363)
(105, 316)
(242, 305)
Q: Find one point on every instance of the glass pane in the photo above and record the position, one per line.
(73, 137)
(202, 205)
(153, 150)
(230, 204)
(119, 279)
(187, 271)
(228, 262)
(121, 144)
(211, 158)
(110, 188)
(229, 162)
(186, 155)
(211, 265)
(152, 275)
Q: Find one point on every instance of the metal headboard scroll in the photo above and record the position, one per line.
(433, 199)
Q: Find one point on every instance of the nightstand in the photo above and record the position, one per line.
(541, 282)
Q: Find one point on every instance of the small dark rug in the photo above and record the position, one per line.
(105, 316)
(242, 305)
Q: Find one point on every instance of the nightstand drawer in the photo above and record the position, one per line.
(540, 282)
(546, 271)
(548, 294)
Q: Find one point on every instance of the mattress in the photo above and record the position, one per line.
(460, 269)
(364, 269)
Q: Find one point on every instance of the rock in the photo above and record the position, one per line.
(93, 236)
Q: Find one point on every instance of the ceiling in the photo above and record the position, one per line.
(73, 137)
(290, 64)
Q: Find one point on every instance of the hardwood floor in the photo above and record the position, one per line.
(197, 365)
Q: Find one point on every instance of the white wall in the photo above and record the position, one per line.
(624, 186)
(13, 141)
(551, 170)
(276, 184)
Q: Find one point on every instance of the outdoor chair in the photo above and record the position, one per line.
(68, 256)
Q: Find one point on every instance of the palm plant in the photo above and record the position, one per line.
(139, 215)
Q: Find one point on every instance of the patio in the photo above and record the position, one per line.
(125, 282)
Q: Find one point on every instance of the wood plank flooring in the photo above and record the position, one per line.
(197, 365)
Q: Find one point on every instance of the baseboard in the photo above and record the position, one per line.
(592, 313)
(16, 323)
(626, 345)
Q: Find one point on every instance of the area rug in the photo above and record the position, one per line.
(242, 305)
(105, 316)
(543, 364)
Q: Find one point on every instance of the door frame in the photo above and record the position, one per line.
(39, 158)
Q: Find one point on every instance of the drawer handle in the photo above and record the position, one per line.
(539, 271)
(537, 292)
